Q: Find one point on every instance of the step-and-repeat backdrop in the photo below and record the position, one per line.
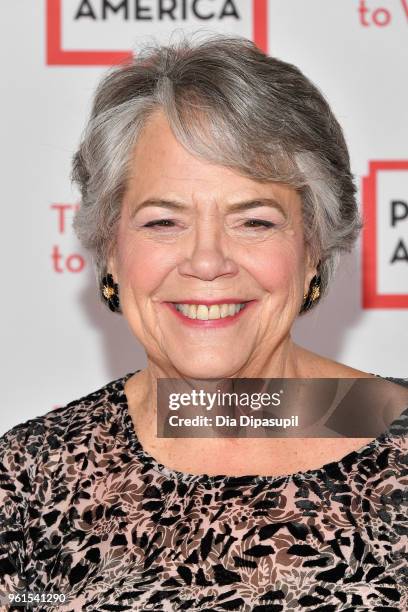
(58, 341)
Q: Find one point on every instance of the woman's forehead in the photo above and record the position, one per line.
(159, 152)
(161, 165)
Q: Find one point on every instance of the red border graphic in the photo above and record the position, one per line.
(56, 56)
(371, 297)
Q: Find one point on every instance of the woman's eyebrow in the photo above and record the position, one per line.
(236, 207)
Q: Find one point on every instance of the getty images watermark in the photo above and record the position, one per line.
(209, 401)
(278, 407)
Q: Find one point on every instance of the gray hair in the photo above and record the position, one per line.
(231, 104)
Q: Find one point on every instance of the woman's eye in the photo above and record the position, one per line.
(160, 222)
(259, 222)
(253, 223)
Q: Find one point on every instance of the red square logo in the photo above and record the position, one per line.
(57, 56)
(375, 255)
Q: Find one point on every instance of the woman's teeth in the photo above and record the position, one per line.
(203, 312)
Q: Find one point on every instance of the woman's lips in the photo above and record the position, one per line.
(209, 323)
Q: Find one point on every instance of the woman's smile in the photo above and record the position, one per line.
(209, 314)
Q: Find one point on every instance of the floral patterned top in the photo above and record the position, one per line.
(87, 513)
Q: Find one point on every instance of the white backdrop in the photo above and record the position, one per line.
(58, 341)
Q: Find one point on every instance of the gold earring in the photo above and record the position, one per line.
(110, 292)
(315, 292)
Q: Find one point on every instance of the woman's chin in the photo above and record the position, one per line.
(206, 367)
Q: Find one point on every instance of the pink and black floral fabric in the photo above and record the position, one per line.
(85, 511)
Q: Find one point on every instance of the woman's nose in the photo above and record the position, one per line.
(206, 255)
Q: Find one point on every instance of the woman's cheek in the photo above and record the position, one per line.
(275, 268)
(144, 265)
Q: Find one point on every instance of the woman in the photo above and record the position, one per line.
(217, 198)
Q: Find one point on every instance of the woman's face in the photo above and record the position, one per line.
(194, 232)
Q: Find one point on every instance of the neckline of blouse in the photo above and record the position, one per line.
(119, 397)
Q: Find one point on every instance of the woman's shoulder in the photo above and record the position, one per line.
(21, 445)
(389, 393)
(313, 365)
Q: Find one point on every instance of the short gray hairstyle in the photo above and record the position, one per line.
(231, 104)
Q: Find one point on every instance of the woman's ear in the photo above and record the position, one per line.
(311, 268)
(111, 266)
